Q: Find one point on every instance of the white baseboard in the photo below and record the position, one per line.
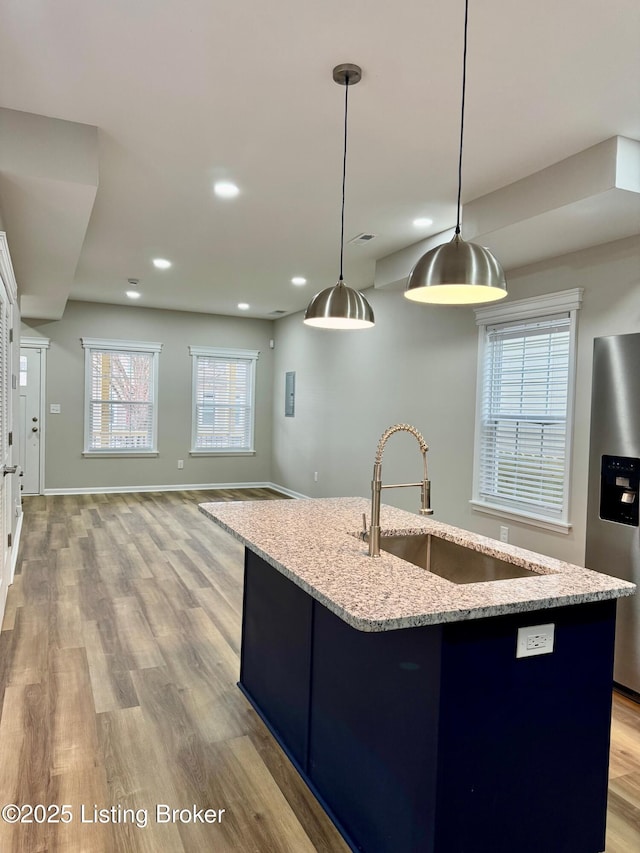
(4, 586)
(285, 491)
(185, 487)
(4, 589)
(15, 547)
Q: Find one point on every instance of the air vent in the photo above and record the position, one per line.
(362, 238)
(277, 312)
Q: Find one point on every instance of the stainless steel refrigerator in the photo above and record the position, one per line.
(613, 531)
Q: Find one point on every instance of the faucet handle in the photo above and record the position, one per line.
(365, 532)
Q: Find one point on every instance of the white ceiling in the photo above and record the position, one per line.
(184, 93)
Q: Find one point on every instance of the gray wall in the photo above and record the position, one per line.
(416, 366)
(65, 466)
(419, 365)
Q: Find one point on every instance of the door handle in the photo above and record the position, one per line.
(9, 469)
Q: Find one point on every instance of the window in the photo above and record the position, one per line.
(524, 408)
(223, 400)
(120, 396)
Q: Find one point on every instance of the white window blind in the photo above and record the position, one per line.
(524, 407)
(121, 396)
(223, 400)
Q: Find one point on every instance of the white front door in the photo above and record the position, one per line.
(31, 421)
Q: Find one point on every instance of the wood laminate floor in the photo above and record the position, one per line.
(119, 657)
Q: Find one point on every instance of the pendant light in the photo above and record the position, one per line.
(341, 307)
(457, 273)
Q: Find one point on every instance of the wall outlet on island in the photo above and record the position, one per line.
(536, 640)
(315, 476)
(504, 533)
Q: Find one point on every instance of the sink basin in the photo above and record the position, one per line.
(451, 561)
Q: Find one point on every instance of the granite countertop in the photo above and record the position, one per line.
(312, 542)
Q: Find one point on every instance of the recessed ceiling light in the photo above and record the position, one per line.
(243, 306)
(298, 279)
(133, 294)
(161, 263)
(225, 189)
(422, 222)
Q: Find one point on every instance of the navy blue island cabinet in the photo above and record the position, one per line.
(437, 739)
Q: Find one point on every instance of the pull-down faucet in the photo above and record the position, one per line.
(373, 534)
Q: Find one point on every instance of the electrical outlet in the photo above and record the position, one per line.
(536, 640)
(180, 463)
(315, 476)
(504, 533)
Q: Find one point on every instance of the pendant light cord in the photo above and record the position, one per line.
(464, 89)
(344, 171)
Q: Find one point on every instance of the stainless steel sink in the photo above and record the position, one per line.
(451, 561)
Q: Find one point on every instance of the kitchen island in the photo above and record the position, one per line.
(398, 695)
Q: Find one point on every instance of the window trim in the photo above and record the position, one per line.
(566, 301)
(230, 353)
(153, 348)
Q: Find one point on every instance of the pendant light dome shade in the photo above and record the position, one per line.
(341, 307)
(457, 273)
